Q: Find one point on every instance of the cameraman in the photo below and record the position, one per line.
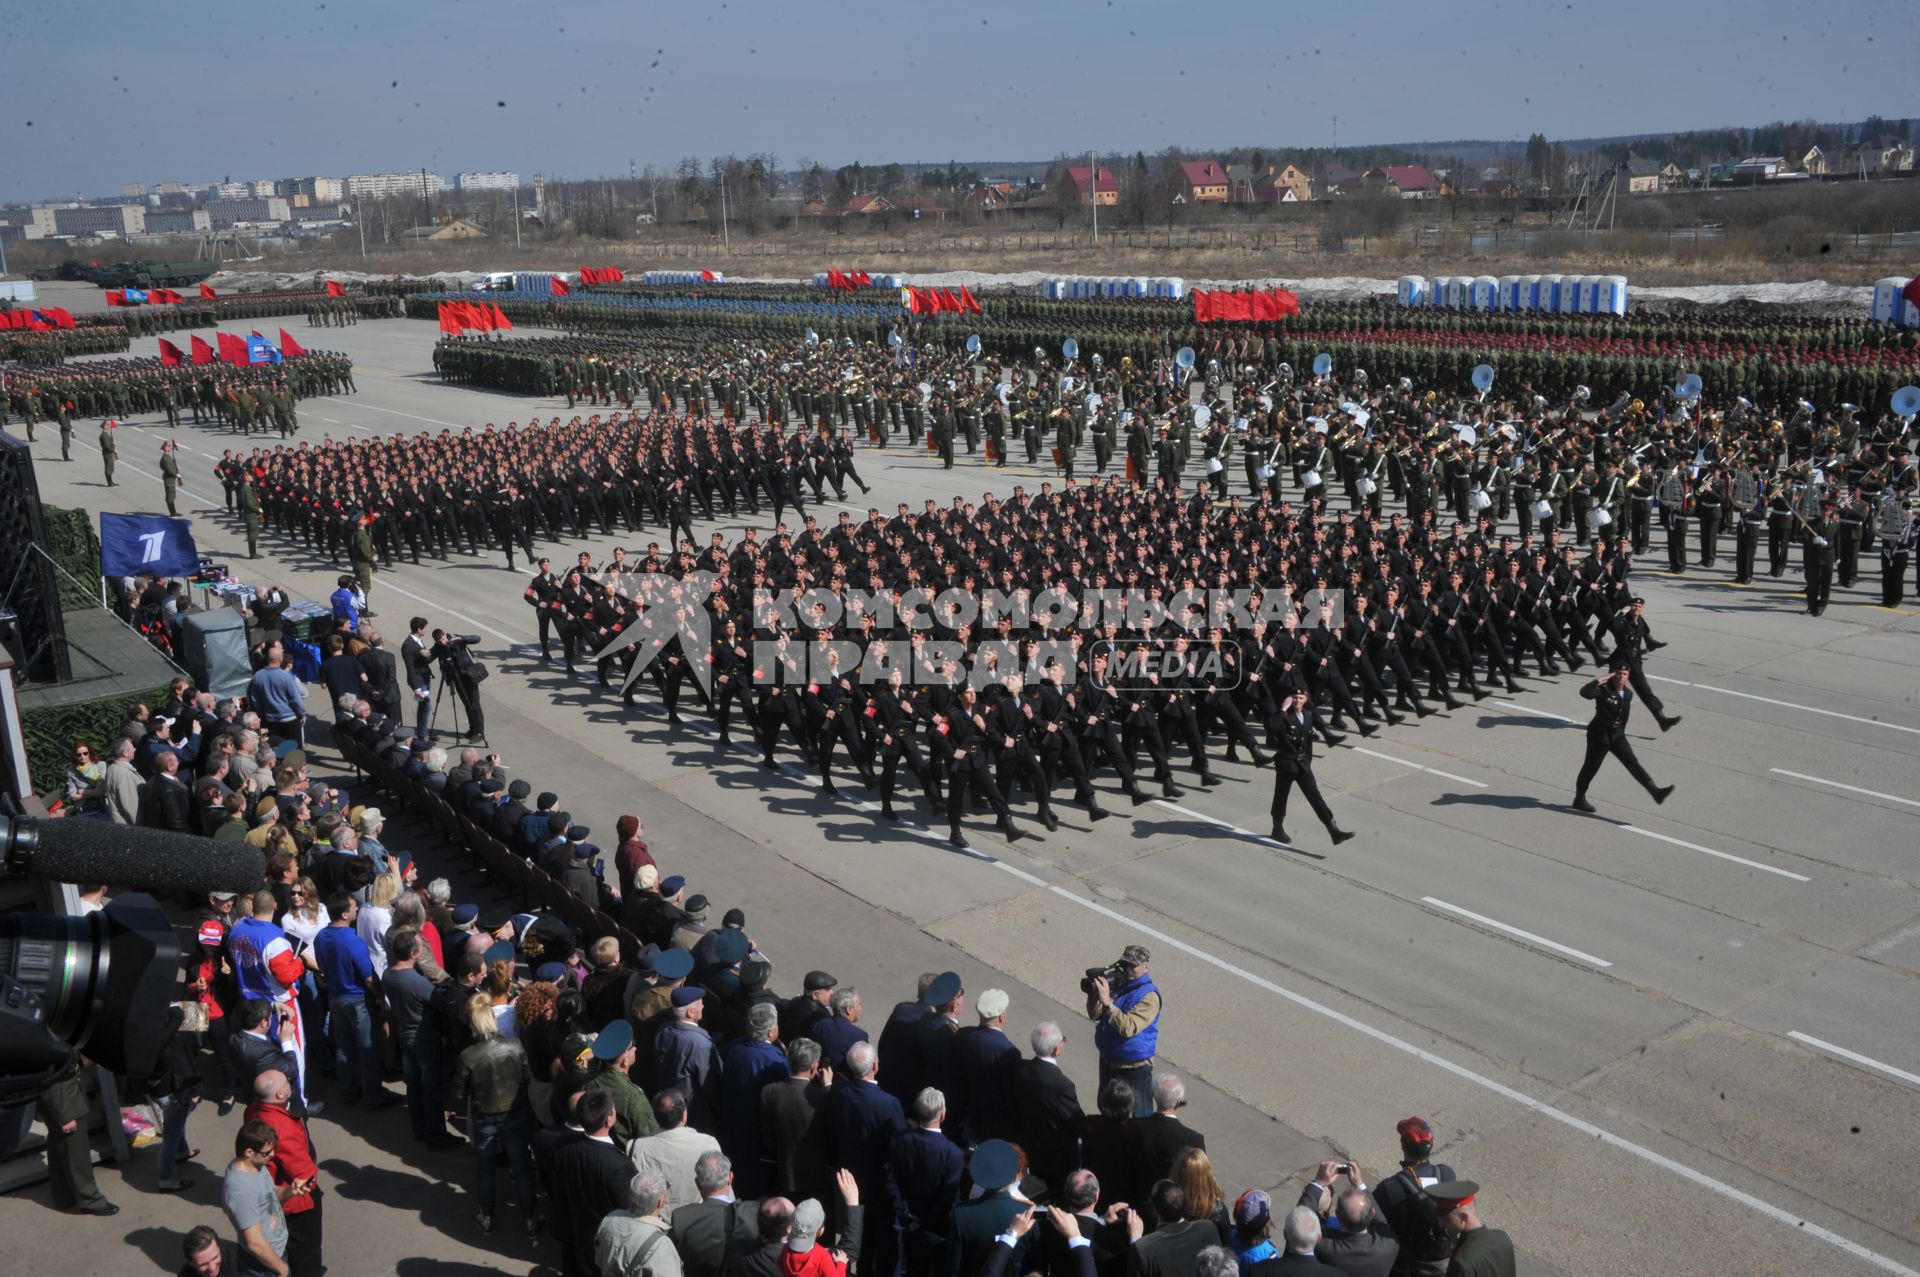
(1127, 1024)
(458, 666)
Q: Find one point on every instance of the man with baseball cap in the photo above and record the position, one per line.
(1127, 1025)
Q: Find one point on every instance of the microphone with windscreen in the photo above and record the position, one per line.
(88, 851)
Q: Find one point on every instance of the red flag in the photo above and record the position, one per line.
(619, 276)
(500, 321)
(477, 317)
(288, 346)
(233, 350)
(1264, 305)
(707, 277)
(169, 354)
(202, 353)
(9, 319)
(1238, 307)
(862, 279)
(166, 296)
(935, 302)
(115, 297)
(449, 319)
(586, 275)
(334, 289)
(969, 302)
(836, 280)
(1286, 303)
(207, 293)
(559, 286)
(1202, 306)
(62, 317)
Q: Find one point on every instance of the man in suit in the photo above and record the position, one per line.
(926, 1169)
(793, 1132)
(1300, 1234)
(840, 1028)
(712, 1232)
(933, 1035)
(1080, 1258)
(775, 1221)
(419, 671)
(976, 1224)
(982, 1069)
(1048, 1108)
(675, 1149)
(1607, 734)
(1076, 1197)
(254, 1050)
(900, 1044)
(1364, 1245)
(589, 1180)
(1153, 1142)
(862, 1121)
(383, 679)
(1173, 1248)
(1293, 765)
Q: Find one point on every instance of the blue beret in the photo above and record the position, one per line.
(673, 964)
(996, 1164)
(729, 946)
(577, 833)
(945, 988)
(501, 952)
(670, 887)
(688, 994)
(463, 915)
(613, 1040)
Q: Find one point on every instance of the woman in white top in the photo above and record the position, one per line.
(376, 919)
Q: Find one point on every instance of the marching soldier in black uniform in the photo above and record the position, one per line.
(1607, 734)
(1293, 766)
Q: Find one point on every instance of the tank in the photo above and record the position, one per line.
(1412, 290)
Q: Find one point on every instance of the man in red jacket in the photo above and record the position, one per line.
(293, 1164)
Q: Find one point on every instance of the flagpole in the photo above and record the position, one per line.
(1093, 166)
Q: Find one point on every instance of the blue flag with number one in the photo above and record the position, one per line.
(147, 545)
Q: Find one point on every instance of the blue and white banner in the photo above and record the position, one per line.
(261, 351)
(147, 545)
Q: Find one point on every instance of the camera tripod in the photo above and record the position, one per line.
(459, 704)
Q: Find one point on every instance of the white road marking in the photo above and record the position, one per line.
(1866, 1061)
(457, 425)
(1852, 789)
(1528, 709)
(1887, 944)
(1798, 1223)
(1529, 936)
(1419, 767)
(1738, 860)
(1810, 709)
(1216, 821)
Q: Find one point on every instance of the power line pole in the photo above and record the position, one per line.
(516, 215)
(724, 241)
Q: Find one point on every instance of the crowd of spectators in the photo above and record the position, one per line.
(657, 1105)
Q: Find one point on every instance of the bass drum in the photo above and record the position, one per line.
(1311, 479)
(1543, 509)
(1478, 500)
(1599, 517)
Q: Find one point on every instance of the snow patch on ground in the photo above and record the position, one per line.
(1814, 294)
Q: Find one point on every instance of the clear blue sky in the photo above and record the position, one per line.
(115, 91)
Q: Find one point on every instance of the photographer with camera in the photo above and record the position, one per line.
(464, 674)
(1124, 1004)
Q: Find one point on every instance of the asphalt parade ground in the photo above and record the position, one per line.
(1674, 1038)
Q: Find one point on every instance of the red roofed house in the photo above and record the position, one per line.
(1205, 181)
(869, 204)
(1408, 181)
(1106, 193)
(985, 198)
